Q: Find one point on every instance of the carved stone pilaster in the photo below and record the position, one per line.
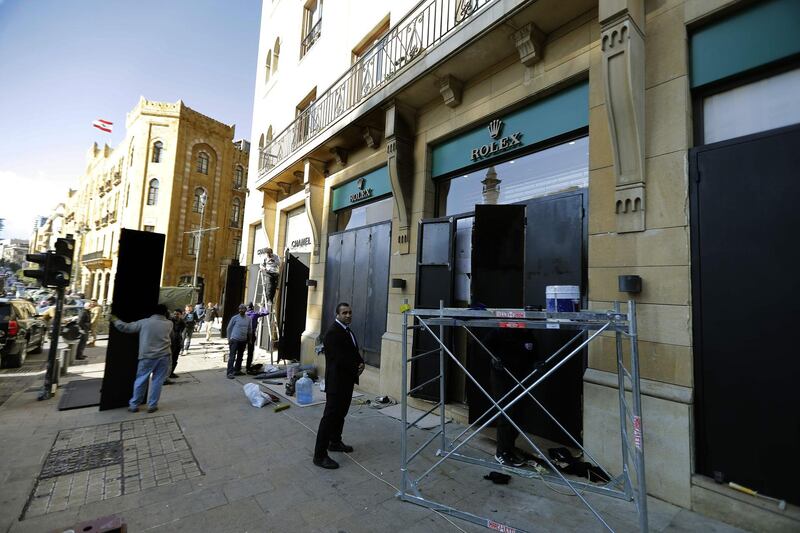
(451, 88)
(529, 41)
(314, 187)
(400, 163)
(623, 49)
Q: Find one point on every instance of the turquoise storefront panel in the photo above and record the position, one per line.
(560, 113)
(363, 189)
(766, 32)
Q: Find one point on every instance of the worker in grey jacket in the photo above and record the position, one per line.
(239, 330)
(154, 355)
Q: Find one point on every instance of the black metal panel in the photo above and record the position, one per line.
(498, 258)
(294, 305)
(378, 291)
(554, 245)
(434, 285)
(555, 255)
(234, 291)
(136, 287)
(498, 255)
(330, 297)
(357, 272)
(358, 298)
(745, 292)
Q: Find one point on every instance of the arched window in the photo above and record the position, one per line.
(202, 163)
(152, 192)
(130, 160)
(276, 51)
(236, 211)
(157, 147)
(268, 66)
(269, 135)
(199, 201)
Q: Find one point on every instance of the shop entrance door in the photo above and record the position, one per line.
(745, 291)
(294, 302)
(357, 272)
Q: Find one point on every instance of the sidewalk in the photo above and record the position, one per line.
(208, 461)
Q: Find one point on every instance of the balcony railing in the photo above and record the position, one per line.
(311, 37)
(424, 26)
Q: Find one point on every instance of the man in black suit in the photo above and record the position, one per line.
(343, 365)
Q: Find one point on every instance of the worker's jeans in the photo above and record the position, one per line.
(237, 348)
(159, 367)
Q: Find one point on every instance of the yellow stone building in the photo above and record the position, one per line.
(154, 180)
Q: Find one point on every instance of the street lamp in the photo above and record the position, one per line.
(203, 199)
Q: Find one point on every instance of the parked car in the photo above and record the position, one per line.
(21, 331)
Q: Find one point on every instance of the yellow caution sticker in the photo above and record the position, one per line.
(404, 308)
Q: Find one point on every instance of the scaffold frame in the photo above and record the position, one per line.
(588, 325)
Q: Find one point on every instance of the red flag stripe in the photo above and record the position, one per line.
(105, 122)
(101, 128)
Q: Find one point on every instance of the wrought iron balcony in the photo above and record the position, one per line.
(416, 33)
(311, 37)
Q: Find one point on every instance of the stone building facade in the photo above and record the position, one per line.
(153, 181)
(609, 104)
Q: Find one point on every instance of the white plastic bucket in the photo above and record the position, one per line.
(563, 298)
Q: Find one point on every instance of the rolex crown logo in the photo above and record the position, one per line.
(360, 183)
(495, 127)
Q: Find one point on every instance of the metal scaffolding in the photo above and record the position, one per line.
(434, 321)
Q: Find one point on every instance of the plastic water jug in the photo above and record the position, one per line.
(303, 389)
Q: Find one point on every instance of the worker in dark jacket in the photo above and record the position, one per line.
(514, 353)
(176, 340)
(85, 325)
(343, 365)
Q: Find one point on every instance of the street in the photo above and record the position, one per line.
(208, 461)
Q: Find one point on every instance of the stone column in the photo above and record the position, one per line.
(623, 46)
(400, 162)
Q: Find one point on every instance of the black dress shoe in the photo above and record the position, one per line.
(339, 447)
(326, 462)
(173, 375)
(81, 357)
(238, 373)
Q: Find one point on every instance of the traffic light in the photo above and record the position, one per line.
(43, 260)
(59, 268)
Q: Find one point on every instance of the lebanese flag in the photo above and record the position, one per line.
(103, 125)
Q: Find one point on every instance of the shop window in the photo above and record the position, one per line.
(158, 146)
(202, 163)
(548, 171)
(152, 192)
(759, 106)
(364, 215)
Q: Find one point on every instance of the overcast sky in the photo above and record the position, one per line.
(65, 63)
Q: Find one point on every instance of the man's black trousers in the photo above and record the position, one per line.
(330, 427)
(502, 383)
